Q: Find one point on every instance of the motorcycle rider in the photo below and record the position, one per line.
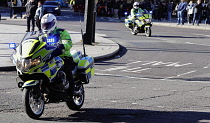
(50, 30)
(135, 10)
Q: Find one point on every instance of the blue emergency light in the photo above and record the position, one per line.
(51, 40)
(12, 45)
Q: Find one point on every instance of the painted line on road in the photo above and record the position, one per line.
(203, 35)
(207, 66)
(198, 44)
(139, 71)
(180, 75)
(141, 78)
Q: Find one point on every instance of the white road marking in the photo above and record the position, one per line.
(181, 74)
(198, 44)
(134, 103)
(141, 78)
(129, 70)
(114, 101)
(203, 35)
(115, 68)
(207, 66)
(149, 63)
(134, 62)
(178, 65)
(186, 73)
(138, 71)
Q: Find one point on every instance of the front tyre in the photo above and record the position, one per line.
(76, 102)
(148, 32)
(33, 102)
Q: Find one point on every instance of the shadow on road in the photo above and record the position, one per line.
(132, 115)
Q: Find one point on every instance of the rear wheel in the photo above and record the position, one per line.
(148, 32)
(33, 102)
(76, 102)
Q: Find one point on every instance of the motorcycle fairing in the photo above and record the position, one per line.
(51, 68)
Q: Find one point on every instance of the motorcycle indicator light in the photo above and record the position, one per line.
(12, 45)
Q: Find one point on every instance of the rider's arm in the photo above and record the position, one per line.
(66, 40)
(132, 13)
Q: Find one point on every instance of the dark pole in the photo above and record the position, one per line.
(89, 36)
(11, 10)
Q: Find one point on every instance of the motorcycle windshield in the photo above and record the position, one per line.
(29, 47)
(144, 14)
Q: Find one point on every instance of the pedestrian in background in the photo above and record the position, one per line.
(180, 12)
(16, 3)
(170, 10)
(197, 12)
(207, 20)
(190, 11)
(31, 7)
(39, 14)
(116, 9)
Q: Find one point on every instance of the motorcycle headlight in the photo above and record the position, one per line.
(36, 61)
(26, 64)
(147, 20)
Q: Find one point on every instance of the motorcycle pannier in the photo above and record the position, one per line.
(86, 69)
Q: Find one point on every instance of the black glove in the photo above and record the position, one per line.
(61, 46)
(56, 52)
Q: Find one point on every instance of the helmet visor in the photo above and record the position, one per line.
(48, 25)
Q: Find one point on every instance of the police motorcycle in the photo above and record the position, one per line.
(41, 76)
(141, 24)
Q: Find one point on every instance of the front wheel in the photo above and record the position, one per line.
(148, 32)
(33, 102)
(76, 102)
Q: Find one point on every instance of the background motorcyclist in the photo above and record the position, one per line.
(64, 44)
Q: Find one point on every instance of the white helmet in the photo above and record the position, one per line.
(136, 5)
(48, 23)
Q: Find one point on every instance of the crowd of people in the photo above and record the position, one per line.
(192, 12)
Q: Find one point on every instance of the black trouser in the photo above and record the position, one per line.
(68, 67)
(189, 18)
(38, 23)
(32, 20)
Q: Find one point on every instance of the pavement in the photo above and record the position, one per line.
(102, 48)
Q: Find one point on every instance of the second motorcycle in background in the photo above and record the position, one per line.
(140, 24)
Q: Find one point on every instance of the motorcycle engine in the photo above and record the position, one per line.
(61, 82)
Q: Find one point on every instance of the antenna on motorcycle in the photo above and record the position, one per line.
(82, 36)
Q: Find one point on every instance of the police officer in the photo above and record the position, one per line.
(50, 29)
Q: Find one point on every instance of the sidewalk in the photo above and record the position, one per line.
(102, 49)
(172, 23)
